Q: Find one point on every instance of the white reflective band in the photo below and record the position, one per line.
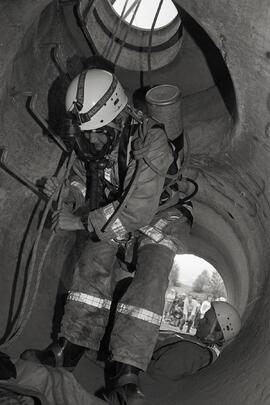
(161, 223)
(79, 186)
(108, 211)
(187, 207)
(164, 242)
(119, 229)
(169, 244)
(108, 174)
(215, 349)
(117, 226)
(152, 233)
(155, 232)
(89, 300)
(175, 217)
(139, 313)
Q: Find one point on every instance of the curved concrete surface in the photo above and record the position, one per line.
(227, 117)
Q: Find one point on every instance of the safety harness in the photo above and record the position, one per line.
(141, 146)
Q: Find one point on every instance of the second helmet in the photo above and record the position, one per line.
(228, 319)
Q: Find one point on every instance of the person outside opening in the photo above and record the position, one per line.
(197, 313)
(189, 311)
(206, 305)
(121, 196)
(169, 299)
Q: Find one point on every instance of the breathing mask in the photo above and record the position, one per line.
(80, 141)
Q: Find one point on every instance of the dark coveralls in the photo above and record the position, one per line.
(158, 235)
(178, 355)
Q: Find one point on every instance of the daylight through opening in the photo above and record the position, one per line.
(142, 12)
(193, 285)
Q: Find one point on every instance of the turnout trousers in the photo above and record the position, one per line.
(139, 312)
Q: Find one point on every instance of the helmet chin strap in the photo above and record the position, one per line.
(137, 115)
(114, 126)
(120, 121)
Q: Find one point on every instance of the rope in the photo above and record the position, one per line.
(176, 199)
(138, 3)
(82, 20)
(22, 318)
(109, 46)
(196, 188)
(187, 156)
(151, 38)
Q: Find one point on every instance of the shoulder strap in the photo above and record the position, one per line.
(122, 150)
(142, 144)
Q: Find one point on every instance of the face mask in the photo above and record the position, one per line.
(75, 139)
(87, 150)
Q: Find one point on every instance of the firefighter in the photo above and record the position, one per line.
(177, 355)
(121, 195)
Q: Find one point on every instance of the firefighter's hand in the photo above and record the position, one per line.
(52, 184)
(66, 221)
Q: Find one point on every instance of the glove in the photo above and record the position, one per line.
(52, 184)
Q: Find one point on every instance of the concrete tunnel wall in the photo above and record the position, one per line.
(229, 162)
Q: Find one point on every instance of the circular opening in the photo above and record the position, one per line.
(163, 94)
(193, 284)
(141, 13)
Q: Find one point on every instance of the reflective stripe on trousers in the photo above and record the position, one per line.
(139, 312)
(131, 310)
(138, 316)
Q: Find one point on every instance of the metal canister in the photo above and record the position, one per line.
(164, 103)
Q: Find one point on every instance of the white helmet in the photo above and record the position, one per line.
(96, 97)
(228, 319)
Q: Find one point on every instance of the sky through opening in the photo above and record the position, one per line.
(146, 12)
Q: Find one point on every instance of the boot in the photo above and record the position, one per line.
(61, 353)
(122, 385)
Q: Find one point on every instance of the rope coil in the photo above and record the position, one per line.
(25, 313)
